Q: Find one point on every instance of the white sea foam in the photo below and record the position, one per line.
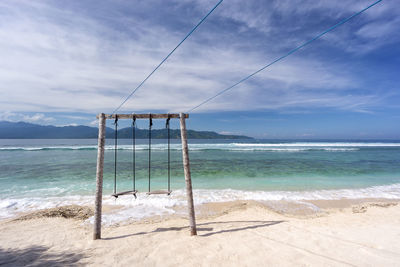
(147, 206)
(274, 147)
(321, 144)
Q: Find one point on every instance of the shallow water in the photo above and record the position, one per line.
(43, 173)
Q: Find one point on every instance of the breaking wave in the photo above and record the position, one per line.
(147, 206)
(273, 147)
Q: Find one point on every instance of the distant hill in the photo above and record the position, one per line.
(23, 130)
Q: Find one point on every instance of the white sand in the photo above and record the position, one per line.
(249, 235)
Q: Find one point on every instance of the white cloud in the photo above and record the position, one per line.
(226, 133)
(69, 124)
(56, 60)
(7, 116)
(38, 117)
(15, 117)
(73, 117)
(94, 123)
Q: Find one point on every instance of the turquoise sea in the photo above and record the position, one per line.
(45, 173)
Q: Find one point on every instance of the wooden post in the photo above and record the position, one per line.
(99, 177)
(188, 179)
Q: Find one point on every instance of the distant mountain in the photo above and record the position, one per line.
(23, 130)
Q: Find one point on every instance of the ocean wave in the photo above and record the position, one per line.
(273, 147)
(94, 147)
(321, 144)
(48, 148)
(294, 149)
(146, 206)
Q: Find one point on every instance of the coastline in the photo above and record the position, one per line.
(235, 232)
(126, 209)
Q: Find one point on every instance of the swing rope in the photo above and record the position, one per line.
(167, 192)
(115, 194)
(115, 153)
(134, 155)
(150, 125)
(169, 154)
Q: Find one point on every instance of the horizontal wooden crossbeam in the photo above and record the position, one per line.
(144, 116)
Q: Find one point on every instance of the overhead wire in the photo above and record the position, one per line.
(285, 55)
(170, 53)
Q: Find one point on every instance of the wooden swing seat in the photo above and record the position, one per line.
(133, 192)
(159, 192)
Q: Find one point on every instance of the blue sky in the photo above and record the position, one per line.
(62, 62)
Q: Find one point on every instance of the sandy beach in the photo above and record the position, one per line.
(342, 233)
(199, 133)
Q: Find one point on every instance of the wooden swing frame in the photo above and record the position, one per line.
(100, 165)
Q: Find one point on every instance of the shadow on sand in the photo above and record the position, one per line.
(38, 256)
(208, 230)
